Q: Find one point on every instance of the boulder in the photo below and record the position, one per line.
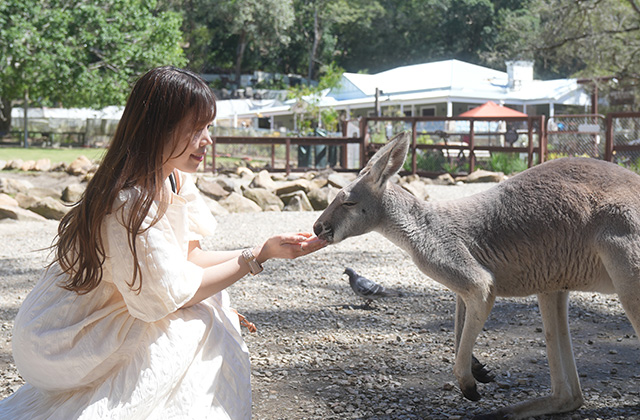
(321, 197)
(49, 208)
(14, 186)
(445, 179)
(18, 213)
(41, 192)
(244, 172)
(14, 164)
(297, 201)
(73, 193)
(42, 165)
(80, 166)
(264, 198)
(7, 200)
(3, 164)
(28, 165)
(338, 180)
(26, 200)
(417, 188)
(263, 180)
(236, 203)
(292, 186)
(484, 176)
(216, 208)
(211, 188)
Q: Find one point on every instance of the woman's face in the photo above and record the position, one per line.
(189, 151)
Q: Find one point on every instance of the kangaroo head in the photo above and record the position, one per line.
(358, 208)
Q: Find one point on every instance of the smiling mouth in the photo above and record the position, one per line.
(199, 158)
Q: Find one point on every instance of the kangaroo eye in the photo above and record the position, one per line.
(349, 203)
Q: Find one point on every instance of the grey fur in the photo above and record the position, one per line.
(568, 224)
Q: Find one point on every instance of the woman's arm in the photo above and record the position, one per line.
(222, 269)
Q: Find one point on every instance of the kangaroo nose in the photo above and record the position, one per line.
(318, 228)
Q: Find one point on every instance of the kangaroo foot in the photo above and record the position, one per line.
(481, 372)
(471, 393)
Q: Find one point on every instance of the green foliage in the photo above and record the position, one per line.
(308, 96)
(427, 160)
(507, 163)
(77, 53)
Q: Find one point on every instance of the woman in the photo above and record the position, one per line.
(131, 319)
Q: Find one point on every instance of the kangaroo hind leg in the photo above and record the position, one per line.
(566, 394)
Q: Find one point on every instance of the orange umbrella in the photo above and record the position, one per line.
(492, 110)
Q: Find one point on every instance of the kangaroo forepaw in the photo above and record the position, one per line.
(481, 372)
(471, 393)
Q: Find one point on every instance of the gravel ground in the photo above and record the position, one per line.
(319, 353)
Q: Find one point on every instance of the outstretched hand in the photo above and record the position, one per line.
(289, 246)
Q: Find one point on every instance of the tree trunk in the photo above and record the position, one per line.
(5, 116)
(25, 107)
(317, 34)
(242, 44)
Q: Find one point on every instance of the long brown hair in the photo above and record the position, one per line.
(164, 103)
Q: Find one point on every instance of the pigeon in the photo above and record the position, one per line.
(367, 289)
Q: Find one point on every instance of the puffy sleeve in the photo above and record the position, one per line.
(201, 221)
(169, 280)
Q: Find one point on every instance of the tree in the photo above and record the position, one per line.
(80, 53)
(263, 23)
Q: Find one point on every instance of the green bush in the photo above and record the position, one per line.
(507, 163)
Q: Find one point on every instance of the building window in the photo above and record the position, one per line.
(264, 122)
(428, 111)
(408, 113)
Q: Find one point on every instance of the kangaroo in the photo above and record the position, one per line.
(567, 224)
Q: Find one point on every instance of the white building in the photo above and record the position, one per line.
(443, 88)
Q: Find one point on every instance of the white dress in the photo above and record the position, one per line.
(115, 354)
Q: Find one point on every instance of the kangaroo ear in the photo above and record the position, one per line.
(388, 160)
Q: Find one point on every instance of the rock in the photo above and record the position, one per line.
(264, 198)
(216, 208)
(42, 165)
(484, 176)
(236, 203)
(7, 200)
(263, 180)
(18, 213)
(26, 200)
(14, 164)
(445, 179)
(73, 192)
(28, 165)
(291, 186)
(59, 167)
(244, 172)
(80, 166)
(417, 188)
(41, 192)
(14, 186)
(3, 164)
(321, 197)
(49, 208)
(297, 201)
(211, 189)
(338, 180)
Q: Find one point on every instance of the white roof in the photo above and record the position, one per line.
(450, 80)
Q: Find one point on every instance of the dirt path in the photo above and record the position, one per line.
(319, 354)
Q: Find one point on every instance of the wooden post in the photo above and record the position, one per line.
(213, 155)
(287, 166)
(414, 148)
(472, 141)
(608, 145)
